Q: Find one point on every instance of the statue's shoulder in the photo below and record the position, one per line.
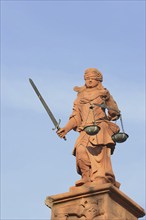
(80, 89)
(104, 90)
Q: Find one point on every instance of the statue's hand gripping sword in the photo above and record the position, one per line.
(53, 119)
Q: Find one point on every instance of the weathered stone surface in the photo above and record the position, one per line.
(93, 202)
(93, 116)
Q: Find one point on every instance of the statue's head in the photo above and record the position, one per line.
(95, 73)
(92, 77)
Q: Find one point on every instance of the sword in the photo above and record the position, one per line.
(53, 119)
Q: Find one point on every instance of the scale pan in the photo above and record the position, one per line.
(120, 137)
(92, 129)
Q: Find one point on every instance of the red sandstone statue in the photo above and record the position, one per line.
(89, 117)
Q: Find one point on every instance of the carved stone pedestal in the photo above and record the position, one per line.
(93, 202)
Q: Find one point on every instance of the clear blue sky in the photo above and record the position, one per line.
(53, 42)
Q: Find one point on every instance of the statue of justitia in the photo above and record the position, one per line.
(95, 125)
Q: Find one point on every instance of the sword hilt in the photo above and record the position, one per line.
(57, 125)
(64, 138)
(58, 128)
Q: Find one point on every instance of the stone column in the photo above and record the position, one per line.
(93, 202)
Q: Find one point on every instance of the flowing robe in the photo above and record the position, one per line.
(96, 147)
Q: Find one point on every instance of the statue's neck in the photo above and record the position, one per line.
(92, 89)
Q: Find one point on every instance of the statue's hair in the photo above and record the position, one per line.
(98, 74)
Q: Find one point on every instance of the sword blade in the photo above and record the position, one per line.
(53, 119)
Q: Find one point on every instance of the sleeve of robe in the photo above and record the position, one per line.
(76, 113)
(114, 112)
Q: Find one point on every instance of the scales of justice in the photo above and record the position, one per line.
(96, 196)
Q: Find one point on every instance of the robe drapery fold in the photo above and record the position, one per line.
(96, 147)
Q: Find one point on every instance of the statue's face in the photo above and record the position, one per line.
(91, 80)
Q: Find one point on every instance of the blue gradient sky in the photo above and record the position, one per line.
(53, 42)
